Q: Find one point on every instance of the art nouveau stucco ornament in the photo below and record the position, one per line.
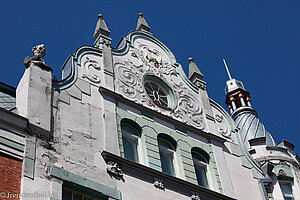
(281, 173)
(148, 59)
(195, 195)
(223, 130)
(114, 169)
(39, 52)
(91, 69)
(159, 183)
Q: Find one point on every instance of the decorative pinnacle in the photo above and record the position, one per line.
(142, 24)
(227, 69)
(194, 69)
(101, 28)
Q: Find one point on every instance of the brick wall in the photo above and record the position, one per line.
(10, 177)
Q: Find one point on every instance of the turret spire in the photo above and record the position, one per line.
(142, 24)
(227, 69)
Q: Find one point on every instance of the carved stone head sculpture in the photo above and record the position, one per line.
(39, 51)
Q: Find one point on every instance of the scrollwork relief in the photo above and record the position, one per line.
(281, 173)
(91, 68)
(159, 183)
(143, 59)
(114, 169)
(189, 109)
(195, 195)
(223, 130)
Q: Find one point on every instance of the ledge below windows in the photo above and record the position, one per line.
(118, 165)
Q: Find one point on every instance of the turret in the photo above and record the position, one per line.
(246, 118)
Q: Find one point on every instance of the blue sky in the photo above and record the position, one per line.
(260, 41)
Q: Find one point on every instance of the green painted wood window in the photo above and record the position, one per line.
(201, 167)
(131, 141)
(287, 190)
(167, 152)
(74, 195)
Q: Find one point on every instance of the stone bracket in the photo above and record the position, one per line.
(158, 183)
(114, 169)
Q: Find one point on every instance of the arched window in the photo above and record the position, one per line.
(167, 149)
(287, 191)
(131, 133)
(201, 161)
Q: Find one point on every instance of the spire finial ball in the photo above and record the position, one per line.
(140, 14)
(191, 59)
(100, 15)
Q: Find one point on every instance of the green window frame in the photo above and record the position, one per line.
(287, 190)
(167, 152)
(201, 165)
(68, 194)
(131, 138)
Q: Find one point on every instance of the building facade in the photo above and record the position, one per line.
(127, 123)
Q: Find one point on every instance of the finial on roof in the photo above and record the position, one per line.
(195, 75)
(142, 24)
(194, 69)
(227, 69)
(101, 27)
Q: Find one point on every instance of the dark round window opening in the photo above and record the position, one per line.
(157, 94)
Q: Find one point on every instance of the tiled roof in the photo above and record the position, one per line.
(8, 97)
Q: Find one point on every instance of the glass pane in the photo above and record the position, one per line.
(129, 130)
(66, 195)
(157, 94)
(199, 157)
(165, 143)
(130, 148)
(201, 175)
(67, 68)
(166, 159)
(287, 191)
(77, 197)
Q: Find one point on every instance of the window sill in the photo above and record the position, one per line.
(170, 182)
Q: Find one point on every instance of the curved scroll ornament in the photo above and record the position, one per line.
(128, 81)
(129, 73)
(189, 109)
(143, 59)
(91, 68)
(223, 130)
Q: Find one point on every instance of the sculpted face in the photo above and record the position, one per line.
(39, 50)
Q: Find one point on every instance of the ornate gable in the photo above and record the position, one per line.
(142, 59)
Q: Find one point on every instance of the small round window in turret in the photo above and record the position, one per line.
(159, 92)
